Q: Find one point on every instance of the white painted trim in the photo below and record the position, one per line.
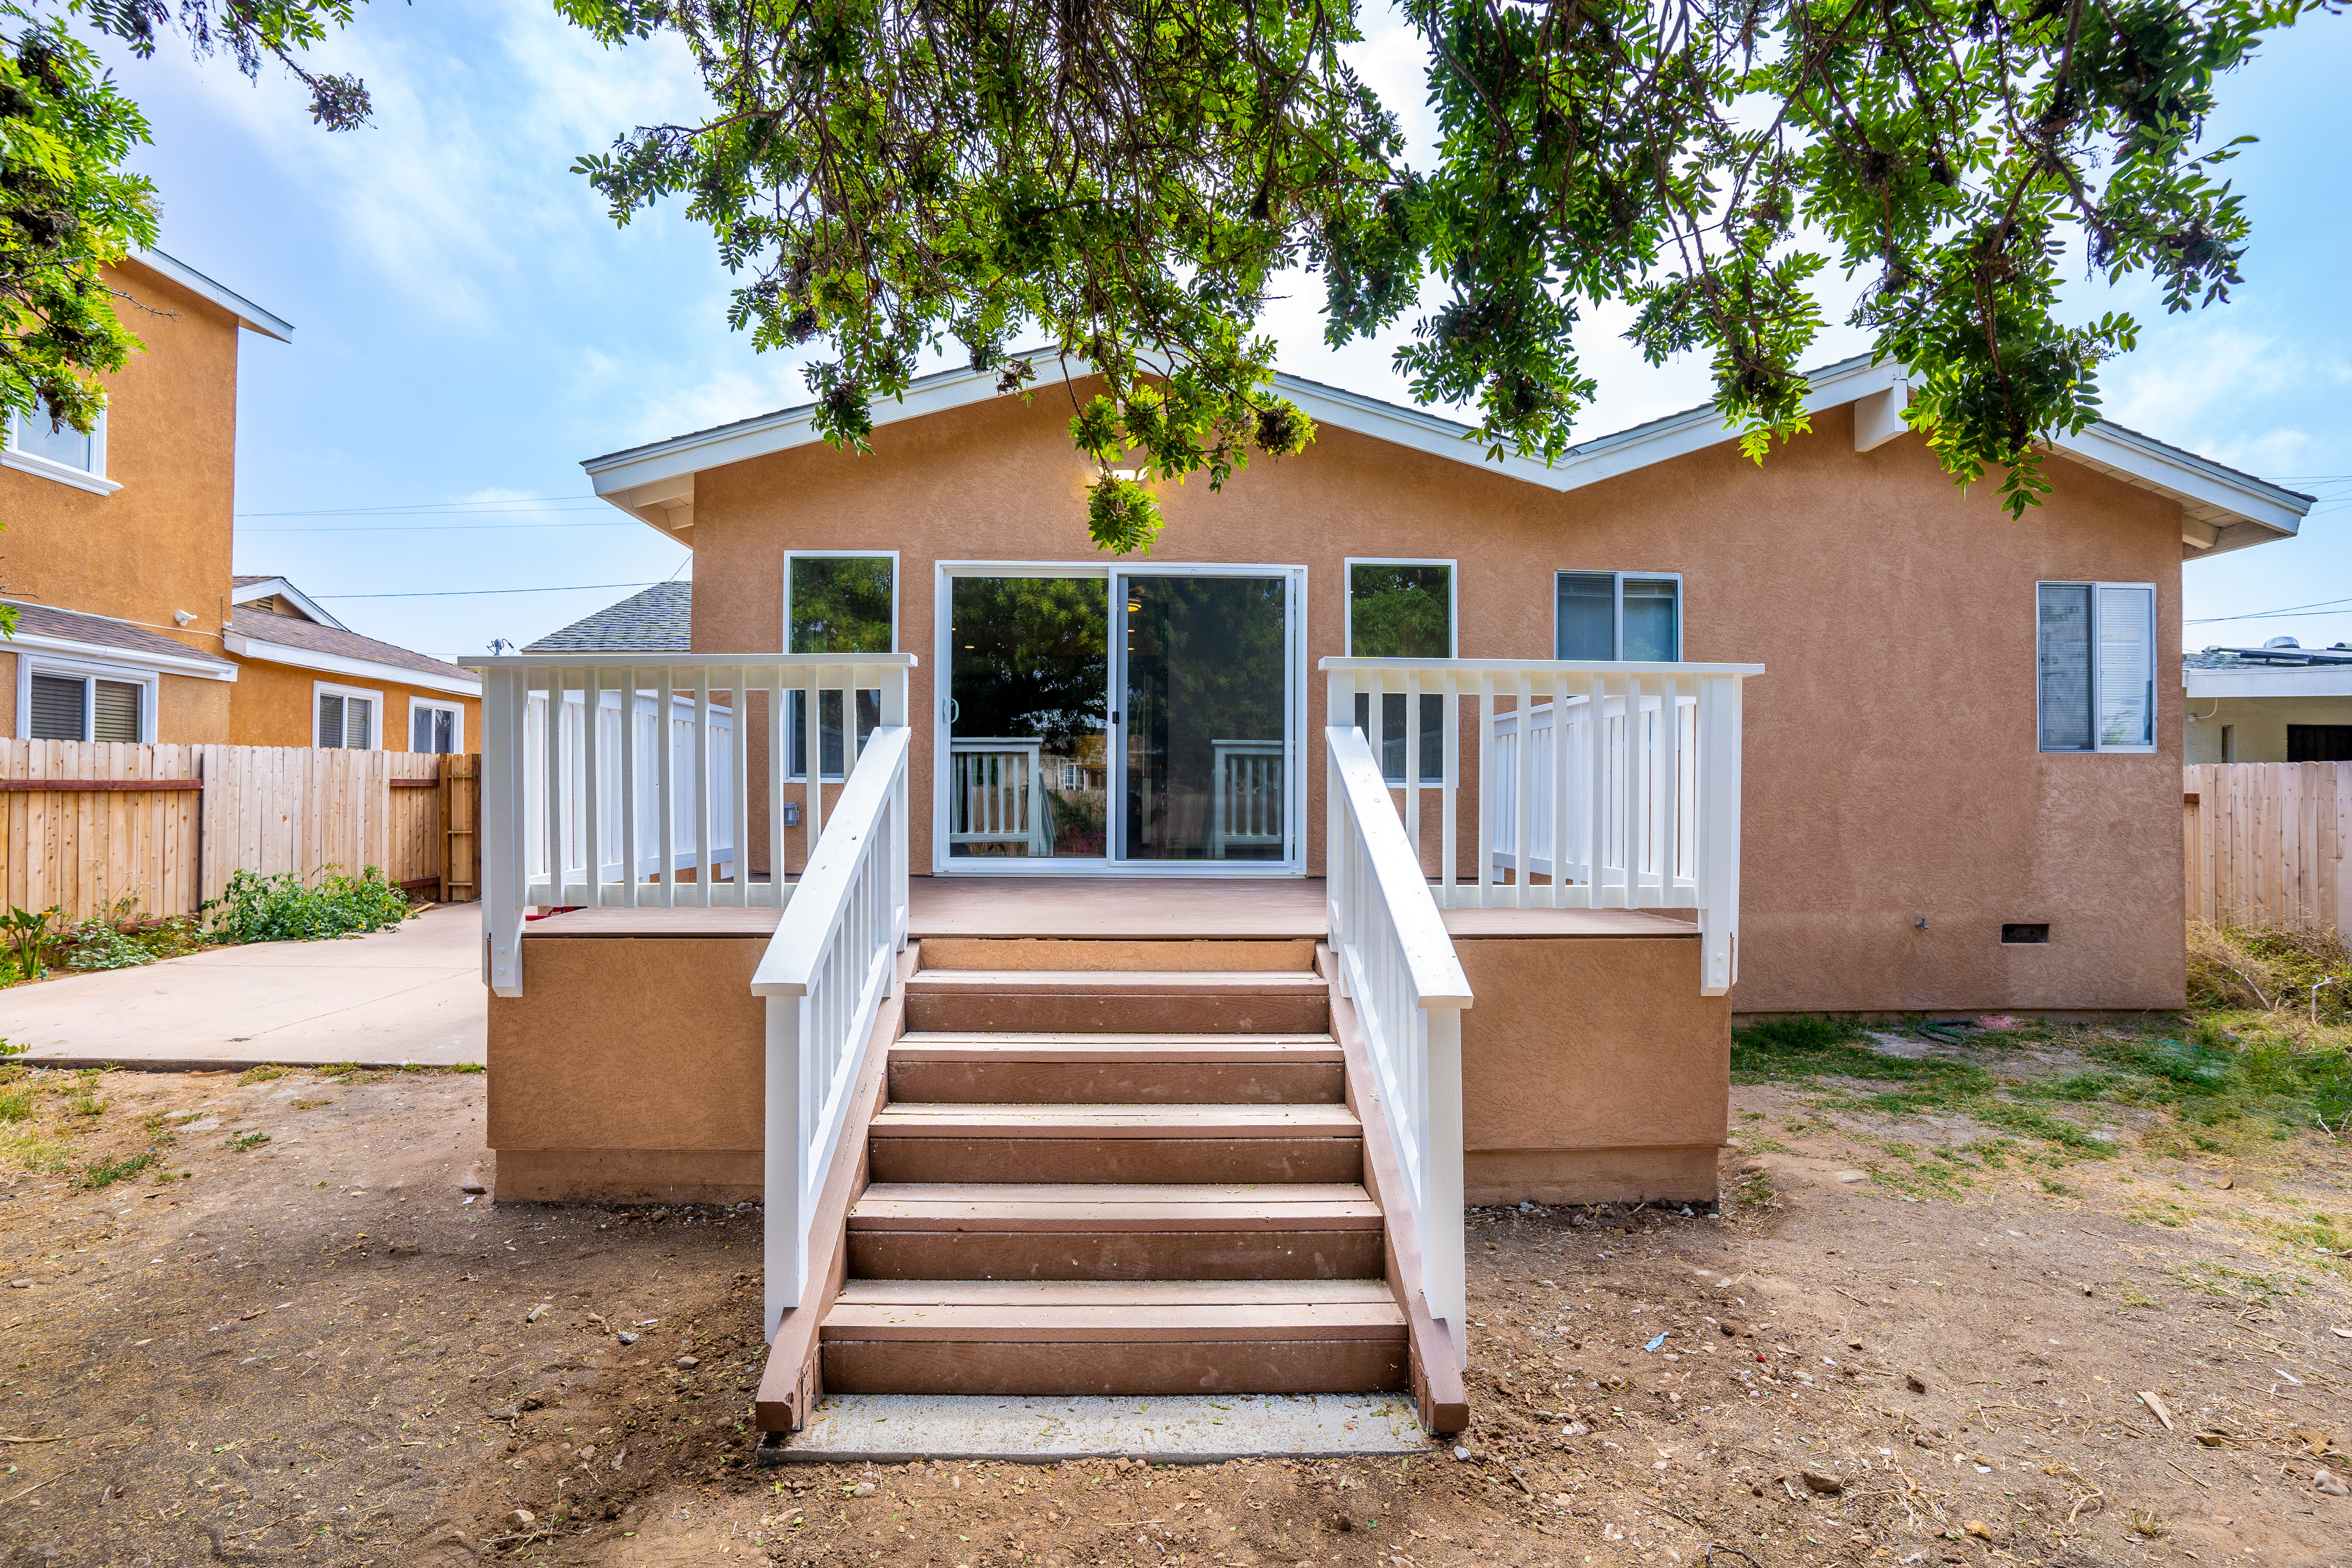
(456, 730)
(1878, 418)
(661, 474)
(249, 314)
(1348, 565)
(30, 663)
(195, 665)
(896, 588)
(2323, 680)
(92, 479)
(245, 647)
(276, 587)
(376, 727)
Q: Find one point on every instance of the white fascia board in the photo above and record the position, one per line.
(245, 647)
(2204, 685)
(2193, 480)
(274, 587)
(195, 665)
(249, 314)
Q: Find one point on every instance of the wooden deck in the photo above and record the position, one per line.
(1116, 907)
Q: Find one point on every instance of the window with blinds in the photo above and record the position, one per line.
(433, 730)
(114, 710)
(1603, 615)
(346, 721)
(2096, 666)
(86, 707)
(60, 708)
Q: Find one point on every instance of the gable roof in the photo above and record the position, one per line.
(250, 316)
(2221, 509)
(251, 590)
(659, 619)
(255, 633)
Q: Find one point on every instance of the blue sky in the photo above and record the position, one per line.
(471, 325)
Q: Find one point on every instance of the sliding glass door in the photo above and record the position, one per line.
(1126, 720)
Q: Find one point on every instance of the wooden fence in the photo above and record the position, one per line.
(91, 825)
(2265, 843)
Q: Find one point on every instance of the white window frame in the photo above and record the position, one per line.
(434, 704)
(92, 479)
(2155, 662)
(898, 585)
(1617, 609)
(328, 689)
(30, 663)
(1348, 565)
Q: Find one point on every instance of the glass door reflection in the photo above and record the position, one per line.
(1204, 744)
(1029, 661)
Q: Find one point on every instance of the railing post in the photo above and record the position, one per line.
(501, 824)
(785, 1234)
(1445, 1267)
(1718, 833)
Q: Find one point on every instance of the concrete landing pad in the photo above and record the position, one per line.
(1192, 1428)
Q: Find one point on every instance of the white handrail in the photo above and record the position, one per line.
(1615, 812)
(824, 976)
(612, 813)
(1398, 965)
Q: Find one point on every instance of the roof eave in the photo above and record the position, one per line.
(248, 315)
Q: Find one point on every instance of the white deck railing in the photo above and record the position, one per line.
(996, 794)
(1615, 813)
(826, 972)
(1398, 966)
(611, 814)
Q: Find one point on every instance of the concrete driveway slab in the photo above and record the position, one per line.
(411, 995)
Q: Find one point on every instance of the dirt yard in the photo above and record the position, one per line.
(1941, 1321)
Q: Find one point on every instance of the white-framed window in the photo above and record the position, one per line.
(1635, 615)
(837, 601)
(435, 726)
(1401, 607)
(71, 700)
(346, 717)
(37, 444)
(2096, 666)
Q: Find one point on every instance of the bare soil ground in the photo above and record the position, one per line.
(312, 1349)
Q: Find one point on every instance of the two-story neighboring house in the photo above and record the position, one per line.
(117, 548)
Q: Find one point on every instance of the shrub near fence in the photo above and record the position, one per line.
(85, 825)
(2265, 844)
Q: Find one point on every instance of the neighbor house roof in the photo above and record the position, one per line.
(2273, 671)
(2221, 509)
(249, 314)
(258, 591)
(658, 620)
(47, 630)
(258, 633)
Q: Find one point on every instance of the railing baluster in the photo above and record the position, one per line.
(1523, 838)
(703, 867)
(1488, 777)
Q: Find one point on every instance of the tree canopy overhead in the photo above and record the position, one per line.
(1131, 176)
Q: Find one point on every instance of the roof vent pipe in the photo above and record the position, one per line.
(2282, 642)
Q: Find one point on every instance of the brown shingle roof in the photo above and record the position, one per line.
(105, 631)
(310, 636)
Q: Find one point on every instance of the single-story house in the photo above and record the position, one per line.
(1115, 973)
(304, 678)
(2275, 703)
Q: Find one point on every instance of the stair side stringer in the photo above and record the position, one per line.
(1434, 1375)
(792, 1381)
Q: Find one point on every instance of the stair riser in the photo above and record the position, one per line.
(1202, 1160)
(1115, 1254)
(1268, 956)
(1302, 1013)
(1118, 1083)
(961, 1366)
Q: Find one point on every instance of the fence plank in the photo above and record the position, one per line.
(2264, 844)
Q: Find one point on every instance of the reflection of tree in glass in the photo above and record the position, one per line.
(1400, 612)
(1030, 657)
(1205, 663)
(841, 604)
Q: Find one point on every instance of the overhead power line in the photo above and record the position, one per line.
(471, 593)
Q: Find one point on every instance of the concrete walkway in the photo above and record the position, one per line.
(410, 995)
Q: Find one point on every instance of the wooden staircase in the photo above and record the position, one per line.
(1111, 1167)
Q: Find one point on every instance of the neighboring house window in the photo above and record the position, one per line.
(2096, 666)
(2318, 743)
(1608, 615)
(1402, 610)
(836, 601)
(65, 704)
(37, 435)
(347, 719)
(435, 726)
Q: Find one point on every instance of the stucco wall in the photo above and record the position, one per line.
(161, 543)
(275, 706)
(2257, 725)
(1891, 774)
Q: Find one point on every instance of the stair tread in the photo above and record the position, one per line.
(989, 1206)
(954, 1119)
(1054, 1312)
(1081, 981)
(1238, 1050)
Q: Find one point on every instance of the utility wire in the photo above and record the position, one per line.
(470, 592)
